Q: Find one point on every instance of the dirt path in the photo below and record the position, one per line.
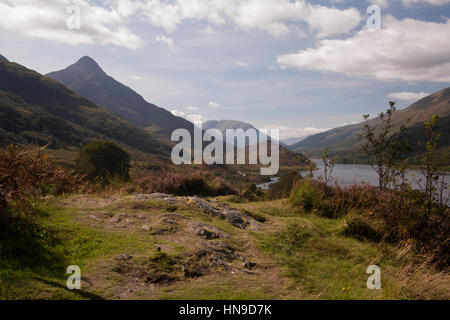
(183, 247)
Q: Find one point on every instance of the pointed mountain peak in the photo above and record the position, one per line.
(87, 66)
(2, 58)
(87, 60)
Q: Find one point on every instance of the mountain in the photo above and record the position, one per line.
(86, 78)
(223, 125)
(293, 140)
(36, 109)
(2, 58)
(344, 141)
(288, 158)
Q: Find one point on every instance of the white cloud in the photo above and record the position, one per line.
(380, 3)
(409, 50)
(196, 119)
(106, 22)
(47, 19)
(273, 16)
(408, 96)
(191, 108)
(208, 30)
(408, 3)
(137, 78)
(287, 132)
(213, 104)
(240, 64)
(166, 40)
(330, 21)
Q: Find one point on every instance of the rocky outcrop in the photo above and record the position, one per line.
(223, 211)
(206, 232)
(215, 255)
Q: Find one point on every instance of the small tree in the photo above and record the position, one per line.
(384, 146)
(435, 185)
(328, 166)
(103, 160)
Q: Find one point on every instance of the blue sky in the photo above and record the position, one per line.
(302, 66)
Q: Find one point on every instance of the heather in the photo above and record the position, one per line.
(184, 184)
(380, 215)
(26, 175)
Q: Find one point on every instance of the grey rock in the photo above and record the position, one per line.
(124, 257)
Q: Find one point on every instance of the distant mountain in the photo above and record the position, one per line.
(344, 141)
(223, 125)
(36, 109)
(87, 79)
(2, 58)
(288, 158)
(291, 141)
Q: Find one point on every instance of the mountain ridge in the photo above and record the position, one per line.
(223, 125)
(344, 140)
(88, 79)
(36, 109)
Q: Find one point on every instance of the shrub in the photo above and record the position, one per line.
(283, 187)
(103, 160)
(304, 195)
(395, 216)
(251, 193)
(26, 174)
(358, 226)
(198, 183)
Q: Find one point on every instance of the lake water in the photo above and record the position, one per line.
(265, 186)
(349, 174)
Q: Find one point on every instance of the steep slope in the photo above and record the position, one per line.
(37, 109)
(87, 79)
(344, 140)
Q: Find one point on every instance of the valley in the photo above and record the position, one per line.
(220, 231)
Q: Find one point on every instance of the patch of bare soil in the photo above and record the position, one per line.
(208, 250)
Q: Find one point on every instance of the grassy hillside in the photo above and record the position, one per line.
(136, 247)
(36, 109)
(87, 79)
(344, 141)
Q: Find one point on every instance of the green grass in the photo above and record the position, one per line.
(327, 265)
(54, 240)
(299, 256)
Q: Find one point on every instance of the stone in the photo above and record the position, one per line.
(207, 232)
(206, 207)
(160, 231)
(249, 265)
(236, 219)
(124, 257)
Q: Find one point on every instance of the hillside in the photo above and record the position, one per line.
(156, 246)
(344, 140)
(36, 109)
(288, 158)
(87, 79)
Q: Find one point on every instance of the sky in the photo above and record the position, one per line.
(299, 66)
